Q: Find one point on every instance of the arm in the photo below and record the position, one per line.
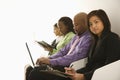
(62, 52)
(113, 49)
(111, 54)
(79, 52)
(63, 42)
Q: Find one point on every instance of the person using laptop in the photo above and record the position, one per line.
(76, 49)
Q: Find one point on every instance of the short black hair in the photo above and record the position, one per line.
(55, 25)
(68, 22)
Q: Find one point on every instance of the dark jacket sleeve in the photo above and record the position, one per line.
(111, 54)
(113, 49)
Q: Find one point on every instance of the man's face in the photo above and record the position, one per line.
(78, 28)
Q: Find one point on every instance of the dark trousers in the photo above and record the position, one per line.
(35, 74)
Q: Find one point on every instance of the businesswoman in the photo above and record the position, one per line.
(65, 26)
(105, 48)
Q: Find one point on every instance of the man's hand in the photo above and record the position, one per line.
(43, 60)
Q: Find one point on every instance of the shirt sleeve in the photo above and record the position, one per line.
(63, 42)
(113, 49)
(79, 52)
(62, 52)
(112, 53)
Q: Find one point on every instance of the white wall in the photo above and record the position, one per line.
(29, 20)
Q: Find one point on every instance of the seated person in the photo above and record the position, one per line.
(76, 49)
(59, 35)
(66, 27)
(105, 49)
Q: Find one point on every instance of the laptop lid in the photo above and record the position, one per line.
(30, 54)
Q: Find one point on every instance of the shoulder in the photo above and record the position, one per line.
(70, 34)
(87, 35)
(113, 38)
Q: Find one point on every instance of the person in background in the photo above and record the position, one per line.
(105, 49)
(66, 27)
(59, 35)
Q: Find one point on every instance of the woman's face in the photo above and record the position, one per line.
(96, 25)
(57, 31)
(62, 27)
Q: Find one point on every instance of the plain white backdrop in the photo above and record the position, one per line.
(28, 20)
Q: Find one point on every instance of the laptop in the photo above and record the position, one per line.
(30, 54)
(50, 71)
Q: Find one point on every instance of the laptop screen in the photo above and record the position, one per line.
(30, 54)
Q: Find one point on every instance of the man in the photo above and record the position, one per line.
(104, 50)
(76, 49)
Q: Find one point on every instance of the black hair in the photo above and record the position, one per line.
(103, 17)
(55, 25)
(67, 21)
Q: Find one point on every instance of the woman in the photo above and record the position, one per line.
(59, 35)
(66, 27)
(105, 48)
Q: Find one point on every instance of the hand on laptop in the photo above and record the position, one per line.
(43, 60)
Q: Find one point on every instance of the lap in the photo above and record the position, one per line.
(36, 74)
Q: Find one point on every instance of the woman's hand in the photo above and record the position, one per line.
(69, 71)
(78, 76)
(74, 75)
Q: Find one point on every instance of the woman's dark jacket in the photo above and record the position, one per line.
(105, 51)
